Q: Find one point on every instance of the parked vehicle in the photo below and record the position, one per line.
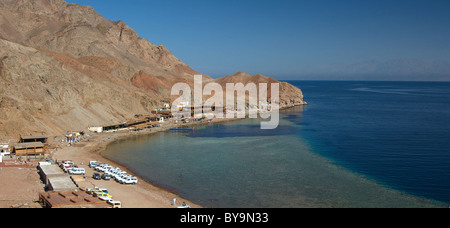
(66, 162)
(102, 194)
(106, 177)
(130, 180)
(77, 171)
(98, 166)
(66, 165)
(115, 204)
(103, 190)
(111, 171)
(103, 167)
(105, 198)
(97, 189)
(93, 164)
(44, 163)
(68, 168)
(91, 191)
(118, 172)
(122, 177)
(97, 176)
(127, 179)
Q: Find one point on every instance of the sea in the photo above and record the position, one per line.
(357, 144)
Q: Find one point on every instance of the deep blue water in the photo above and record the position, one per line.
(357, 144)
(395, 132)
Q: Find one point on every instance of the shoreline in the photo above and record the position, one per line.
(143, 195)
(118, 136)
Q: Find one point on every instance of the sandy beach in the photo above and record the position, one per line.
(21, 184)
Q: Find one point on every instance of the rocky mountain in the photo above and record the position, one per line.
(64, 67)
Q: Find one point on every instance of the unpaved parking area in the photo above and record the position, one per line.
(19, 187)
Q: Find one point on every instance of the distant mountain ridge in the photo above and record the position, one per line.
(64, 67)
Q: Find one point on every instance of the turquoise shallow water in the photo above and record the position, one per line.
(315, 158)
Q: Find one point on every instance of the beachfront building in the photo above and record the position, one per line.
(137, 122)
(60, 183)
(163, 115)
(115, 127)
(4, 148)
(143, 126)
(26, 149)
(96, 129)
(140, 122)
(33, 139)
(48, 171)
(108, 128)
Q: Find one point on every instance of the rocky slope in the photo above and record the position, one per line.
(64, 67)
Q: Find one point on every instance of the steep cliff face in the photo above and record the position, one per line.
(53, 93)
(64, 67)
(79, 31)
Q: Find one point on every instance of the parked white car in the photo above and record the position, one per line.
(112, 171)
(93, 164)
(77, 171)
(117, 173)
(105, 198)
(121, 178)
(97, 168)
(127, 179)
(118, 177)
(130, 180)
(103, 167)
(115, 204)
(65, 165)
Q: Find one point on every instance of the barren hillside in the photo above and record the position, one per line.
(64, 67)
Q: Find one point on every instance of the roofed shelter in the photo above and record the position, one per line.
(25, 149)
(48, 171)
(115, 127)
(144, 126)
(61, 183)
(136, 122)
(71, 199)
(38, 138)
(164, 114)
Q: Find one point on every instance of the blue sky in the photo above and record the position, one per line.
(286, 38)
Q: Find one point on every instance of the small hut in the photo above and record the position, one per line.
(25, 149)
(39, 138)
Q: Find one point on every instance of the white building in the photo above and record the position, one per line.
(96, 129)
(4, 151)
